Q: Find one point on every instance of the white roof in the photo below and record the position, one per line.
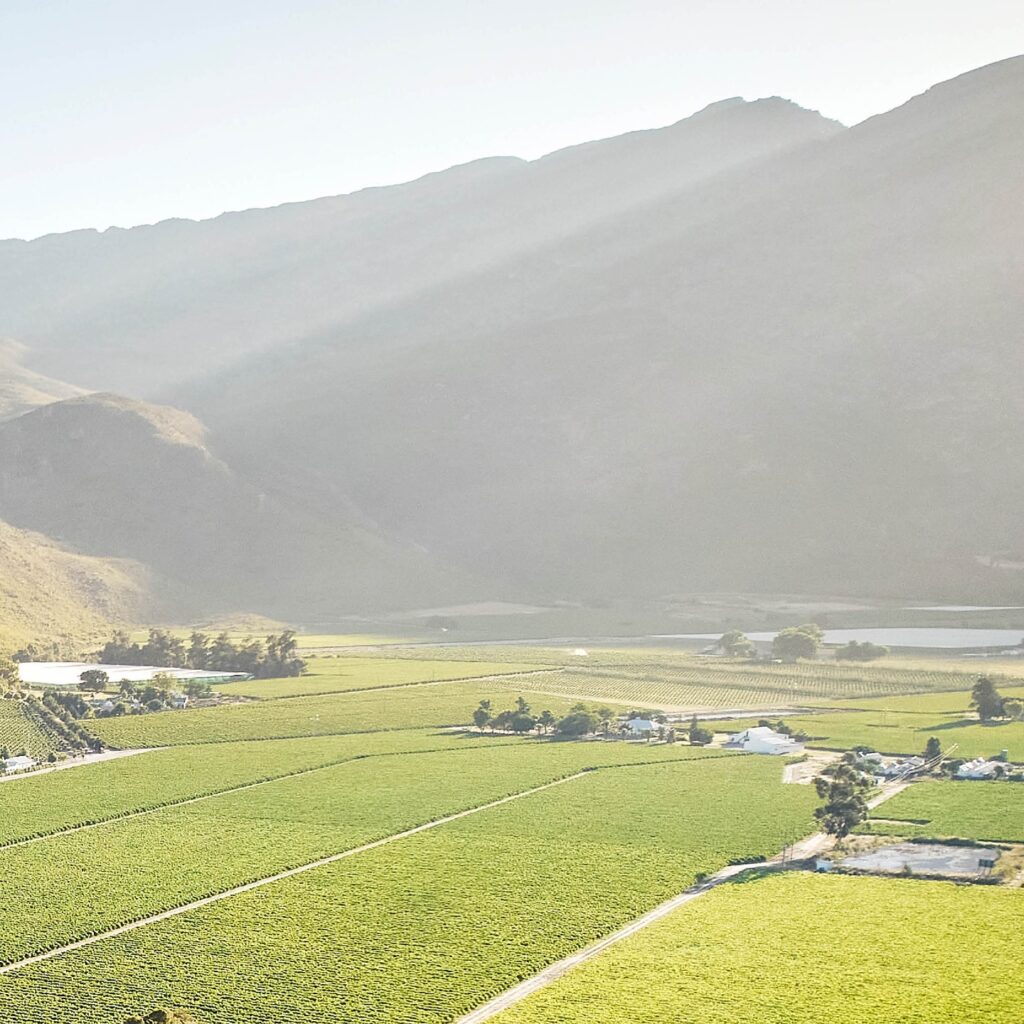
(642, 723)
(21, 761)
(69, 673)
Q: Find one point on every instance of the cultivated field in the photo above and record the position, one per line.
(19, 732)
(406, 707)
(968, 810)
(295, 857)
(458, 913)
(802, 949)
(339, 675)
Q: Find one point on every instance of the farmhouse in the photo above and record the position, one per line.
(642, 727)
(763, 740)
(979, 768)
(19, 763)
(67, 675)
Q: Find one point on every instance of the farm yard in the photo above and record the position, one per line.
(287, 857)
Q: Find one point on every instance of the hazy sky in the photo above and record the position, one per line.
(129, 111)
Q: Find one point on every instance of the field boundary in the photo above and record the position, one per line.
(394, 686)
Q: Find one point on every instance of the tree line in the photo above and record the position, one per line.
(796, 642)
(273, 658)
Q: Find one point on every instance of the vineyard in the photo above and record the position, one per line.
(802, 949)
(341, 675)
(19, 731)
(261, 831)
(458, 913)
(968, 810)
(45, 804)
(326, 714)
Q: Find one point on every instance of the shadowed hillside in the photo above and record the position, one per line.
(800, 373)
(136, 311)
(750, 351)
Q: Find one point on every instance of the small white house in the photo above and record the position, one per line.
(979, 768)
(764, 740)
(642, 727)
(19, 763)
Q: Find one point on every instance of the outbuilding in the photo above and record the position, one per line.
(979, 768)
(19, 763)
(764, 740)
(642, 727)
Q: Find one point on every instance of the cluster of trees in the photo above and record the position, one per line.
(789, 644)
(866, 651)
(991, 706)
(273, 658)
(797, 642)
(736, 644)
(580, 721)
(842, 791)
(8, 674)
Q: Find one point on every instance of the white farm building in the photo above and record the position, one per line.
(642, 727)
(763, 740)
(67, 675)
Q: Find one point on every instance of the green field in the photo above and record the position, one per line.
(410, 707)
(40, 805)
(261, 831)
(969, 810)
(18, 731)
(456, 914)
(928, 703)
(339, 675)
(674, 679)
(805, 949)
(427, 926)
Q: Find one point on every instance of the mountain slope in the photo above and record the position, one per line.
(797, 373)
(137, 311)
(115, 478)
(48, 592)
(22, 389)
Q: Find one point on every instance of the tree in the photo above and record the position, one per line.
(578, 723)
(482, 715)
(503, 720)
(522, 707)
(844, 807)
(605, 717)
(523, 723)
(9, 678)
(1013, 709)
(94, 680)
(547, 721)
(866, 651)
(986, 701)
(932, 749)
(735, 644)
(797, 642)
